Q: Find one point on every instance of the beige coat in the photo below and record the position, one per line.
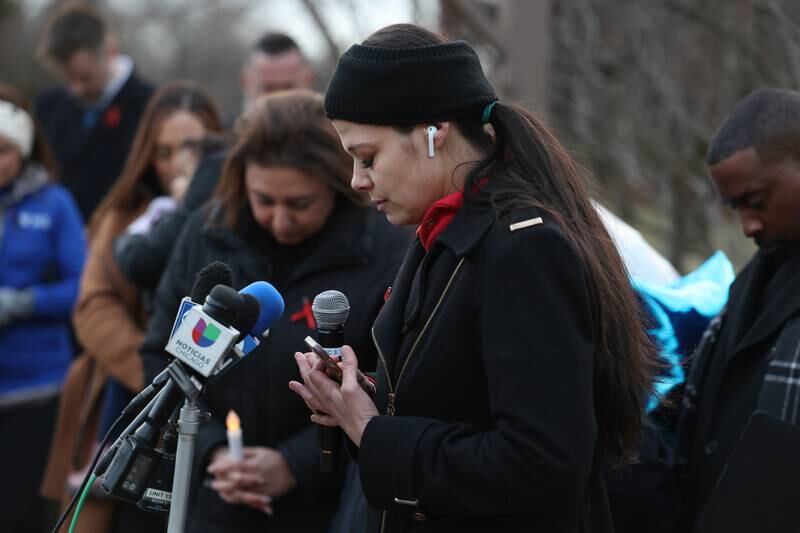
(109, 321)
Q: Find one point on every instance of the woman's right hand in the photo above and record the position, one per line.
(348, 406)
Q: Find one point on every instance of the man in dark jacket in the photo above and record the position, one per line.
(91, 122)
(358, 253)
(746, 359)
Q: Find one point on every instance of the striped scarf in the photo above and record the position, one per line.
(780, 390)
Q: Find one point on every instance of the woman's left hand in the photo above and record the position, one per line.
(347, 406)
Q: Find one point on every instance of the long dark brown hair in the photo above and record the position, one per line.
(40, 153)
(285, 129)
(529, 167)
(129, 191)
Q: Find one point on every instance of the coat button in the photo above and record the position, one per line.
(711, 447)
(419, 517)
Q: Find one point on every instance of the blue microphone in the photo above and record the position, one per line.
(270, 309)
(271, 305)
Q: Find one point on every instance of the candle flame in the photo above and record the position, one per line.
(232, 421)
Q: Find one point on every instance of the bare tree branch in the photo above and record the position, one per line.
(469, 13)
(333, 48)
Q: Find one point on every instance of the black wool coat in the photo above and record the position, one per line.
(485, 386)
(762, 300)
(90, 160)
(358, 253)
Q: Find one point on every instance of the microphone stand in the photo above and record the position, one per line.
(176, 385)
(175, 382)
(188, 428)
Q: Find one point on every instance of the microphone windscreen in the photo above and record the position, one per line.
(248, 314)
(216, 273)
(271, 303)
(330, 309)
(223, 304)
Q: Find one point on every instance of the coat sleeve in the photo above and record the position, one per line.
(301, 452)
(175, 284)
(57, 298)
(211, 436)
(536, 348)
(103, 322)
(143, 258)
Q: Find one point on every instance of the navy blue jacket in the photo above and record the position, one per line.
(90, 160)
(42, 248)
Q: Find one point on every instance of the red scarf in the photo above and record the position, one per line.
(438, 217)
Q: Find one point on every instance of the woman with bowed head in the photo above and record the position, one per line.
(283, 212)
(42, 249)
(110, 316)
(512, 361)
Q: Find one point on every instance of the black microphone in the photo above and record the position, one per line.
(215, 273)
(140, 473)
(330, 309)
(134, 469)
(211, 275)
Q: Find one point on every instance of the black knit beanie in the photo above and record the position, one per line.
(404, 86)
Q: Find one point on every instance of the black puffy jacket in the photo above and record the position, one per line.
(357, 253)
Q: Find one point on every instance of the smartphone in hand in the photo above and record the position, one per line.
(332, 369)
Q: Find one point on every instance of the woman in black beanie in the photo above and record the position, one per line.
(513, 363)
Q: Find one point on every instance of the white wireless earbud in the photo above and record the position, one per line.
(431, 132)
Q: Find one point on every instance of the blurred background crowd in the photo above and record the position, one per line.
(91, 259)
(635, 88)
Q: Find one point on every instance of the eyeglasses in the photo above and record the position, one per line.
(165, 151)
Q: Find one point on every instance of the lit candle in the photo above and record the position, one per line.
(234, 435)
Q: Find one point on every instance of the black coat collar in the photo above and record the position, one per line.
(781, 291)
(467, 228)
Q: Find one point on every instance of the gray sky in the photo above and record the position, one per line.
(290, 16)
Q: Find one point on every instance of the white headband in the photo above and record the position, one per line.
(17, 126)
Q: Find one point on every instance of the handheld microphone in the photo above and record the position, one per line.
(330, 309)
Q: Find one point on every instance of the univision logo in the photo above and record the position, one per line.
(204, 335)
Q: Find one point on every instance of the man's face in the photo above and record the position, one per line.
(766, 195)
(269, 73)
(86, 74)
